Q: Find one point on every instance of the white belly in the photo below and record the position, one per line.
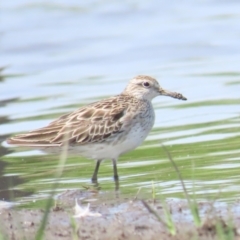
(113, 149)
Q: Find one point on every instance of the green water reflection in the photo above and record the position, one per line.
(211, 166)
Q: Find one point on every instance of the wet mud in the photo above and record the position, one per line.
(122, 219)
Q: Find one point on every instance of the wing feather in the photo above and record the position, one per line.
(93, 123)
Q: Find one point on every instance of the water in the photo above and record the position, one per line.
(60, 55)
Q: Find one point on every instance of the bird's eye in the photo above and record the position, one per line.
(146, 84)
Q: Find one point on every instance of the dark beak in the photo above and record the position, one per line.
(171, 94)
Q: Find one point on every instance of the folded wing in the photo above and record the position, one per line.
(94, 123)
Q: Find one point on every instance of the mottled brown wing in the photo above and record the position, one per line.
(93, 123)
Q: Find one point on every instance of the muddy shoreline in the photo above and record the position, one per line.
(124, 219)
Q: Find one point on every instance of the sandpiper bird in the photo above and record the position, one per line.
(105, 129)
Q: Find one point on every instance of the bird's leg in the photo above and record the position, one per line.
(115, 172)
(116, 185)
(94, 176)
(115, 176)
